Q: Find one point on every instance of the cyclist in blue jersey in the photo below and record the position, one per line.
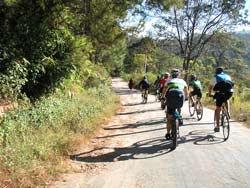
(175, 91)
(222, 86)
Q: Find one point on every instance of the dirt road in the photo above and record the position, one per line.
(131, 151)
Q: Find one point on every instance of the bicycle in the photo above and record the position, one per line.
(176, 121)
(195, 105)
(157, 96)
(224, 120)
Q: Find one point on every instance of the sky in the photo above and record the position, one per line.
(248, 8)
(149, 24)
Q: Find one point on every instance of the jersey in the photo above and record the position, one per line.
(176, 83)
(144, 84)
(163, 81)
(222, 83)
(195, 84)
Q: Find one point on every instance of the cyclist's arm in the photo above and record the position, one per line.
(211, 86)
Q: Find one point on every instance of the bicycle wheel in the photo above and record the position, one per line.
(225, 125)
(199, 110)
(191, 107)
(174, 134)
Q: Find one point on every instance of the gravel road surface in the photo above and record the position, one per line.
(131, 151)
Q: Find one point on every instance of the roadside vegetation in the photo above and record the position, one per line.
(57, 58)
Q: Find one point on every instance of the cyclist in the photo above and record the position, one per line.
(157, 85)
(131, 84)
(144, 85)
(163, 81)
(195, 84)
(176, 91)
(222, 85)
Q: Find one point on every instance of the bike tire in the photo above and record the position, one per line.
(174, 134)
(199, 110)
(225, 126)
(191, 107)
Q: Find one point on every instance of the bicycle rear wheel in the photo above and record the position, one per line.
(174, 134)
(199, 110)
(191, 107)
(225, 126)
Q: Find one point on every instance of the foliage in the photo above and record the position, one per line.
(37, 136)
(193, 26)
(12, 80)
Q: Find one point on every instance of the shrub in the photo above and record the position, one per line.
(38, 135)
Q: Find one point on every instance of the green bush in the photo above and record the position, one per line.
(45, 130)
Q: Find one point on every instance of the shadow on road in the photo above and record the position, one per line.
(131, 133)
(202, 137)
(136, 125)
(140, 111)
(138, 103)
(143, 149)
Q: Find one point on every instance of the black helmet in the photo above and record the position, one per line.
(175, 73)
(193, 77)
(219, 70)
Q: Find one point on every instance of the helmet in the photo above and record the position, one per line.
(219, 70)
(193, 77)
(166, 74)
(175, 73)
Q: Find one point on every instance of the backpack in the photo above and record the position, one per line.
(224, 86)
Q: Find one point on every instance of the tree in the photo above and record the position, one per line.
(195, 24)
(225, 47)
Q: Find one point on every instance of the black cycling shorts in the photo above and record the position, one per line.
(196, 92)
(222, 97)
(175, 100)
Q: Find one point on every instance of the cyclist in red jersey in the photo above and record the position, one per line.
(163, 81)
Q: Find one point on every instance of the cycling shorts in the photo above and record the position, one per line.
(196, 92)
(220, 98)
(174, 100)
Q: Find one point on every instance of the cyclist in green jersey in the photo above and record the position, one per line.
(175, 91)
(195, 84)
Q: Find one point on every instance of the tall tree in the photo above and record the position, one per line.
(195, 24)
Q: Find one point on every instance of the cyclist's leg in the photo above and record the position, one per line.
(219, 100)
(217, 116)
(170, 117)
(192, 96)
(143, 92)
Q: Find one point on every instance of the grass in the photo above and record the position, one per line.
(34, 140)
(239, 106)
